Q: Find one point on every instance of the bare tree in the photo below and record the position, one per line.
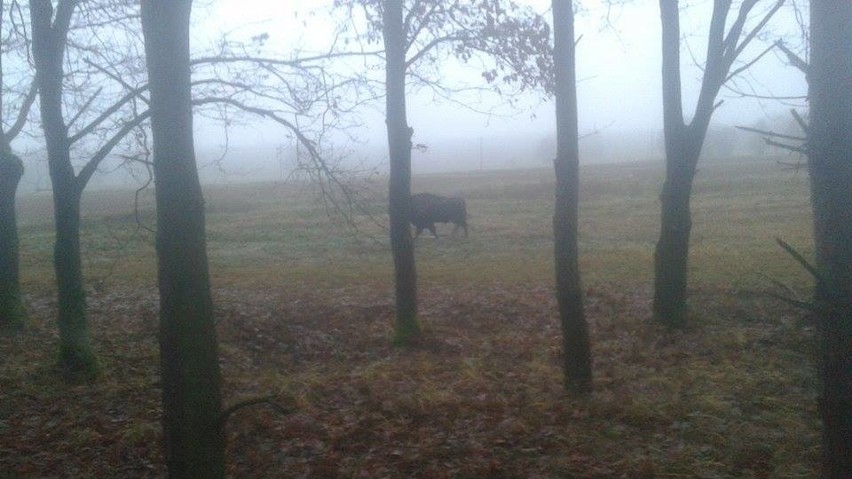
(683, 141)
(829, 149)
(417, 35)
(188, 350)
(826, 143)
(95, 127)
(576, 349)
(12, 312)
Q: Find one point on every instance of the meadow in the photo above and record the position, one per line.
(305, 310)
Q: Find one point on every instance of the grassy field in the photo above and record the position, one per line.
(305, 311)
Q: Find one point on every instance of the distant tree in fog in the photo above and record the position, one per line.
(576, 350)
(417, 36)
(13, 116)
(683, 141)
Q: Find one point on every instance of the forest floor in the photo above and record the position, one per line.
(304, 318)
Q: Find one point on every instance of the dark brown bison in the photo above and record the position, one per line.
(428, 209)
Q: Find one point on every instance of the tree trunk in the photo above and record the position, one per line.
(399, 197)
(576, 349)
(191, 378)
(12, 313)
(683, 146)
(75, 352)
(672, 252)
(830, 168)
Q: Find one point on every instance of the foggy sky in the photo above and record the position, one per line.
(618, 65)
(619, 93)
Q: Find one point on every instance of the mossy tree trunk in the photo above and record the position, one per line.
(191, 378)
(49, 35)
(399, 195)
(830, 167)
(12, 313)
(576, 349)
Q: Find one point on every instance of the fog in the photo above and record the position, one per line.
(619, 97)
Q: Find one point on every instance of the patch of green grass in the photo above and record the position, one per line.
(280, 232)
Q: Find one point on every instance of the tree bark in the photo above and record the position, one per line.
(49, 39)
(191, 378)
(12, 312)
(672, 252)
(399, 196)
(830, 168)
(576, 349)
(683, 145)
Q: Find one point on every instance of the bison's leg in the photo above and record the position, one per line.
(431, 227)
(460, 225)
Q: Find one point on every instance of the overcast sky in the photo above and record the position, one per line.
(618, 63)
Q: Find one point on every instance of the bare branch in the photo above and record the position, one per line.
(757, 29)
(29, 99)
(749, 64)
(799, 120)
(799, 258)
(118, 79)
(432, 44)
(106, 114)
(298, 62)
(770, 133)
(794, 59)
(91, 166)
(420, 26)
(793, 148)
(85, 107)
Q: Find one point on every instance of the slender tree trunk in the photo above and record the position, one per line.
(12, 313)
(399, 197)
(576, 350)
(830, 167)
(188, 348)
(75, 352)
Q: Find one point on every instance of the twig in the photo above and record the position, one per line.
(800, 259)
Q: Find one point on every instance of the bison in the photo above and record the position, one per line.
(428, 209)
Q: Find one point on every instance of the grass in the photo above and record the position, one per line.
(305, 314)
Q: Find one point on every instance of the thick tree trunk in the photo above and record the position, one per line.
(399, 197)
(191, 378)
(576, 350)
(75, 353)
(672, 252)
(12, 313)
(830, 167)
